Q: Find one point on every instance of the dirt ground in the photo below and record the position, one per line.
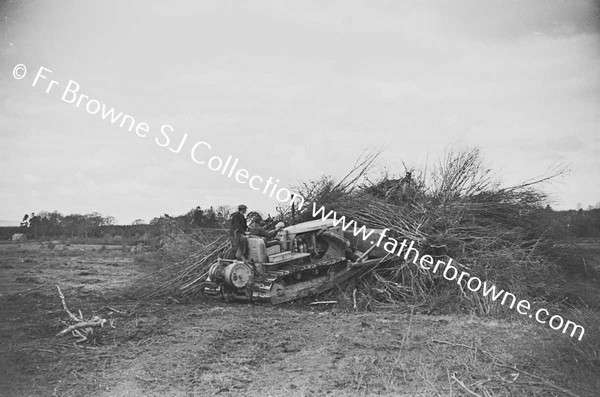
(206, 348)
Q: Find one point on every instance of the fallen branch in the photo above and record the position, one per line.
(84, 330)
(93, 323)
(65, 308)
(323, 302)
(26, 291)
(115, 310)
(464, 387)
(542, 380)
(454, 344)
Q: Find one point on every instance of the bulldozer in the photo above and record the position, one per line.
(303, 260)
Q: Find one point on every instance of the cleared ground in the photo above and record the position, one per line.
(210, 348)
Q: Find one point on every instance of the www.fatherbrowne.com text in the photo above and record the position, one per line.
(406, 249)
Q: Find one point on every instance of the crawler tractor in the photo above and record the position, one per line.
(303, 260)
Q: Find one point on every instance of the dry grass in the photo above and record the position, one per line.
(183, 278)
(211, 348)
(450, 363)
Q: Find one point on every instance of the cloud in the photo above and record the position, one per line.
(565, 143)
(257, 85)
(503, 21)
(31, 179)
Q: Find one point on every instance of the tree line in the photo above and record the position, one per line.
(563, 224)
(47, 224)
(580, 223)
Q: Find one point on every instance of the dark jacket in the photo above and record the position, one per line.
(238, 223)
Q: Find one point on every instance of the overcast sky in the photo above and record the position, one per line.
(294, 90)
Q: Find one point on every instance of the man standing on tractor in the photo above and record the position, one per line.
(237, 234)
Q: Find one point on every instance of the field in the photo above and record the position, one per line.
(205, 348)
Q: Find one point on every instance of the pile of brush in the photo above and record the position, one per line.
(456, 211)
(182, 278)
(178, 243)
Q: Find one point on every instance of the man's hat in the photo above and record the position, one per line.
(242, 207)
